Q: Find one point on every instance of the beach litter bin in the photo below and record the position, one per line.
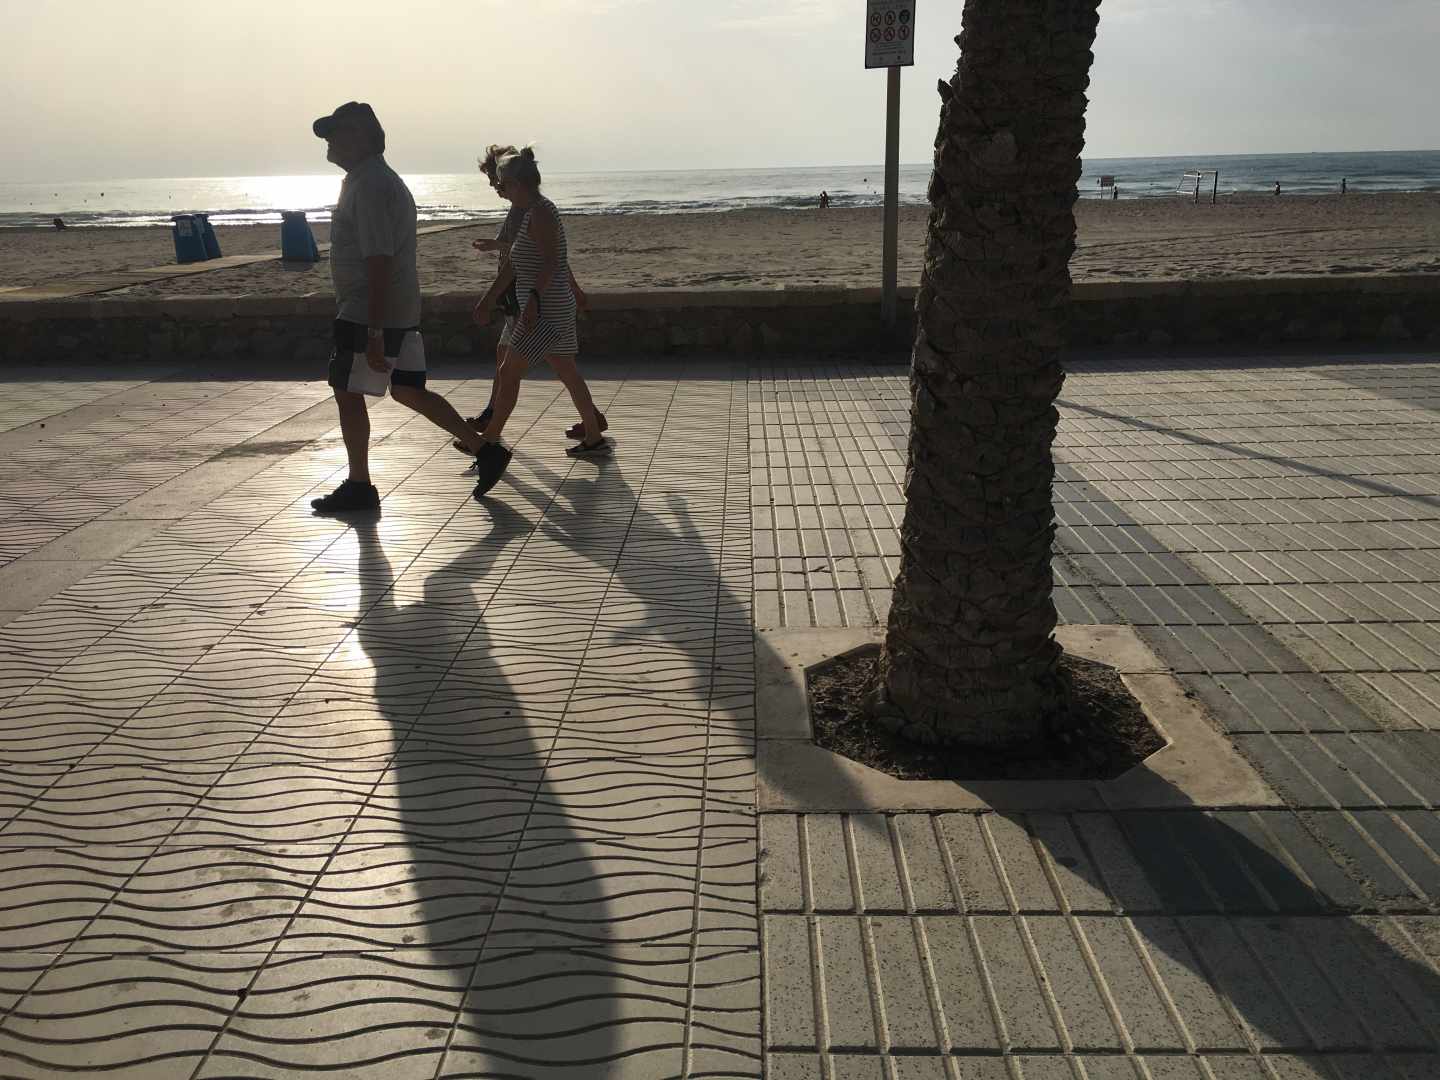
(189, 239)
(207, 233)
(297, 241)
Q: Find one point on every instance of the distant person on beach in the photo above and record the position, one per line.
(377, 289)
(1277, 187)
(824, 200)
(509, 229)
(1343, 185)
(539, 268)
(59, 223)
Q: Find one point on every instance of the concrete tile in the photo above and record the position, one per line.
(130, 1014)
(790, 1018)
(924, 864)
(1327, 1017)
(206, 898)
(782, 881)
(1146, 1019)
(1080, 1002)
(355, 1009)
(879, 886)
(1363, 856)
(52, 895)
(1078, 880)
(827, 863)
(901, 993)
(1024, 1011)
(571, 892)
(793, 1067)
(1235, 971)
(846, 994)
(1025, 878)
(1125, 878)
(402, 897)
(1197, 1001)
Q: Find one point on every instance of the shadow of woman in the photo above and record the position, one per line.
(439, 863)
(654, 761)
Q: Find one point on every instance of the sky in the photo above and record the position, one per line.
(208, 88)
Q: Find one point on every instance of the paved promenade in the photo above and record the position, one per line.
(468, 789)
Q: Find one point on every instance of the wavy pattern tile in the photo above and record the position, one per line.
(52, 894)
(456, 790)
(135, 1015)
(404, 896)
(382, 1015)
(99, 805)
(607, 1013)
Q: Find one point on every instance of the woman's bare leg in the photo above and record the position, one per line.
(507, 392)
(501, 352)
(569, 374)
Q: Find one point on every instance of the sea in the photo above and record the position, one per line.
(441, 197)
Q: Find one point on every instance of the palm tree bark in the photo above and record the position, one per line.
(970, 655)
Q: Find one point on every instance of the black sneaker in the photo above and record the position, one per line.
(349, 496)
(490, 465)
(479, 423)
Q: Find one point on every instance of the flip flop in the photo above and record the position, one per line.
(577, 431)
(598, 448)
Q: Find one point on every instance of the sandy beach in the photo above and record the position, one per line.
(1249, 236)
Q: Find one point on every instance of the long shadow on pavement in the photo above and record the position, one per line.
(577, 821)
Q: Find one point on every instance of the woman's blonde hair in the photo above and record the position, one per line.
(519, 166)
(493, 153)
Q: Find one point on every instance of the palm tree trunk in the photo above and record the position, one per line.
(970, 655)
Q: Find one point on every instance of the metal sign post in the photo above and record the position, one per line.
(890, 43)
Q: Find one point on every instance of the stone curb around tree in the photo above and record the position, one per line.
(1197, 768)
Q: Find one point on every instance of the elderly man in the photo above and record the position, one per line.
(377, 328)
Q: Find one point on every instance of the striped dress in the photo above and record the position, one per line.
(554, 332)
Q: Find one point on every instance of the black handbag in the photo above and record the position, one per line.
(510, 302)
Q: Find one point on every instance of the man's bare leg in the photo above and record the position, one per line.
(355, 430)
(439, 412)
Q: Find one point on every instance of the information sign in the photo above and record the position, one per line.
(889, 33)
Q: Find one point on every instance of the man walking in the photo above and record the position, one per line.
(377, 289)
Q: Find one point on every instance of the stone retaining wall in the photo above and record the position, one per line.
(1359, 310)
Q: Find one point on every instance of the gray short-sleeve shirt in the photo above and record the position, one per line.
(375, 215)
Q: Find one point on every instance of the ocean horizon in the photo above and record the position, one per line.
(441, 197)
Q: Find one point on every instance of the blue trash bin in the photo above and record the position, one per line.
(207, 234)
(297, 241)
(189, 238)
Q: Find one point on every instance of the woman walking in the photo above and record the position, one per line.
(539, 268)
(501, 244)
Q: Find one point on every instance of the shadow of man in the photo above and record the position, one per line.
(483, 859)
(439, 861)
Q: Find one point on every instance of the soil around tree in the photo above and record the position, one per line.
(1103, 731)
